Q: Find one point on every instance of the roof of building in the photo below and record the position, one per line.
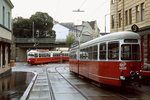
(71, 27)
(92, 24)
(10, 3)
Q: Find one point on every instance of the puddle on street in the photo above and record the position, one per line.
(13, 86)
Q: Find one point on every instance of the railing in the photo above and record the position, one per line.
(35, 40)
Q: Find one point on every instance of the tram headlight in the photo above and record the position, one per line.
(122, 78)
(132, 73)
(137, 73)
(140, 77)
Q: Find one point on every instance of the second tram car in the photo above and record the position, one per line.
(113, 59)
(46, 56)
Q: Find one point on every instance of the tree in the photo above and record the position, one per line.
(70, 39)
(22, 27)
(44, 24)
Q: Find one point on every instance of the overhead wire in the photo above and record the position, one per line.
(82, 4)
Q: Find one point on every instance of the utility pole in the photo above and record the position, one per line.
(33, 30)
(105, 21)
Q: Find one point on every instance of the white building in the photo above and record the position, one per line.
(61, 31)
(88, 31)
(5, 35)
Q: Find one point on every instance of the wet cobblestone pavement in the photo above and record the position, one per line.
(55, 82)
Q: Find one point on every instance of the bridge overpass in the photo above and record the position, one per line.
(24, 44)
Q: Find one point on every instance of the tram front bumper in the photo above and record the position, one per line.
(131, 78)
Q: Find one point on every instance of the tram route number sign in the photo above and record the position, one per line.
(134, 28)
(122, 66)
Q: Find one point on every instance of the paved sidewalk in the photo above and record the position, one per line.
(40, 90)
(47, 80)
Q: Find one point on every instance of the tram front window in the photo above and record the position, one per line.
(130, 52)
(30, 55)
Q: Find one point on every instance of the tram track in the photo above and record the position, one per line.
(126, 98)
(130, 93)
(70, 82)
(91, 83)
(50, 87)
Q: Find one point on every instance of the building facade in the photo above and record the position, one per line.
(88, 30)
(132, 15)
(5, 35)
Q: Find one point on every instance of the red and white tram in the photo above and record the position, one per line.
(46, 56)
(113, 59)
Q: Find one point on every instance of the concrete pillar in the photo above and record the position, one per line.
(21, 54)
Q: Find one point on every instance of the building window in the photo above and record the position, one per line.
(3, 54)
(142, 11)
(130, 16)
(112, 1)
(9, 20)
(120, 19)
(126, 17)
(112, 21)
(137, 13)
(3, 15)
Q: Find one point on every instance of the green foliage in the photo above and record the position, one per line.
(70, 39)
(43, 24)
(22, 27)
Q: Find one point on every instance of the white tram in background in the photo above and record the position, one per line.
(113, 59)
(45, 56)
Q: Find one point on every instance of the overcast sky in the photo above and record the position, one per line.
(62, 10)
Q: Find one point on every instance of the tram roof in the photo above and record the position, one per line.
(113, 36)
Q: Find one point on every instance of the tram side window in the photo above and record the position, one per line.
(90, 49)
(95, 49)
(47, 55)
(40, 55)
(102, 51)
(73, 56)
(36, 55)
(113, 50)
(56, 54)
(83, 54)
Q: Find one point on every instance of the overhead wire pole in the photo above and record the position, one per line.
(78, 10)
(33, 30)
(105, 21)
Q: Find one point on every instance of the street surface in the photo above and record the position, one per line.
(56, 82)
